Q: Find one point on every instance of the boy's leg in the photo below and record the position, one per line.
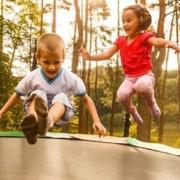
(29, 128)
(124, 94)
(41, 110)
(61, 109)
(29, 124)
(144, 86)
(56, 111)
(46, 118)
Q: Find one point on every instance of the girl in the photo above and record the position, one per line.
(135, 52)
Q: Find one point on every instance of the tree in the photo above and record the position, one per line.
(144, 131)
(54, 17)
(79, 40)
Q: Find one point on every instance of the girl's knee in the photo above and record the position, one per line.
(122, 96)
(144, 84)
(142, 88)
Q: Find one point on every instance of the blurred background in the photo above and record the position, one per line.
(95, 25)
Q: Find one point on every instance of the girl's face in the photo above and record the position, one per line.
(130, 23)
(51, 63)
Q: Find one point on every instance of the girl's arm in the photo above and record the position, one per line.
(159, 42)
(98, 57)
(10, 103)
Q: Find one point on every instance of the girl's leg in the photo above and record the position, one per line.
(124, 93)
(144, 86)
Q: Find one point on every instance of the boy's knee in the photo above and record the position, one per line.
(62, 99)
(40, 93)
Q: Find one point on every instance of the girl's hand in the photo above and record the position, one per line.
(83, 52)
(173, 46)
(177, 50)
(99, 128)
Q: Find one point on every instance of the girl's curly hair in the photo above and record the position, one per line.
(142, 14)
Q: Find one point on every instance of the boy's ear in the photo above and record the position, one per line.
(37, 58)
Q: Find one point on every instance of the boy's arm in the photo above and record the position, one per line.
(98, 57)
(159, 42)
(97, 126)
(10, 103)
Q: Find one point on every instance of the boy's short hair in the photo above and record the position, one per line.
(50, 42)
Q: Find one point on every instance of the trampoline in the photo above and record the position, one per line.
(73, 159)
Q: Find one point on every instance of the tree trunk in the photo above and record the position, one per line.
(77, 45)
(1, 47)
(144, 131)
(178, 58)
(54, 17)
(1, 30)
(34, 61)
(111, 128)
(159, 55)
(79, 41)
(42, 11)
(162, 94)
(127, 125)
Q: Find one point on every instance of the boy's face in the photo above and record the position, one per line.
(51, 63)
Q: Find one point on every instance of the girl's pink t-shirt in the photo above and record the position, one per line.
(136, 56)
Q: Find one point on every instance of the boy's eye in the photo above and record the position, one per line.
(46, 62)
(56, 62)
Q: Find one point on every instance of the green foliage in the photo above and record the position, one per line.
(171, 90)
(133, 130)
(21, 20)
(177, 144)
(171, 111)
(173, 74)
(5, 78)
(118, 120)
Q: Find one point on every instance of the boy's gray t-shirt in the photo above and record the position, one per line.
(65, 82)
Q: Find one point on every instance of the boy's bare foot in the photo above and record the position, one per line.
(29, 128)
(42, 114)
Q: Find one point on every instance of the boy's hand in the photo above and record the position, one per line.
(0, 115)
(84, 53)
(99, 128)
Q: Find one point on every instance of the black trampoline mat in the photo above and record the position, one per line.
(64, 159)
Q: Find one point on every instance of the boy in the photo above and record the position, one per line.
(50, 89)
